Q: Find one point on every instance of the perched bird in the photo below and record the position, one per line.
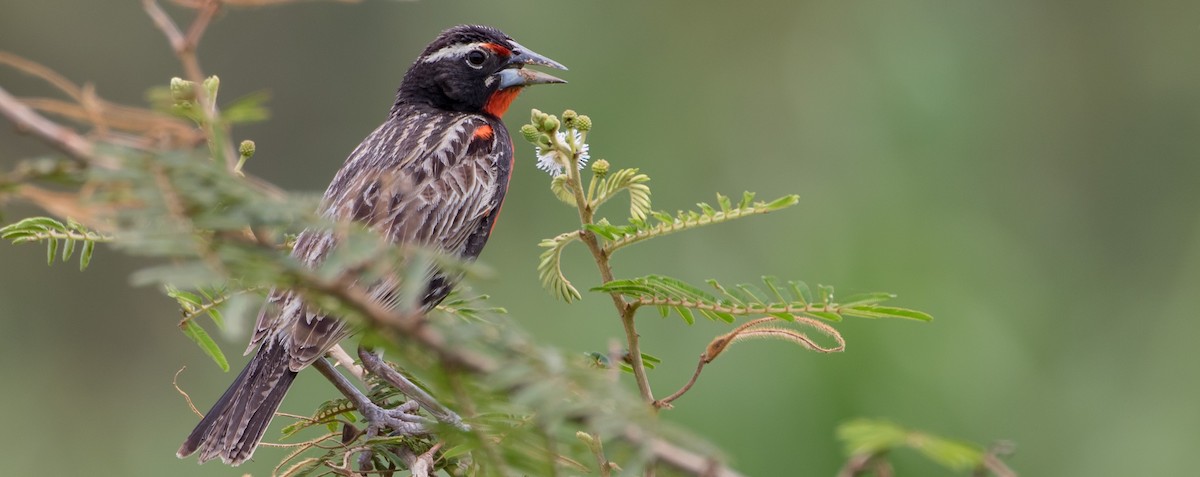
(434, 174)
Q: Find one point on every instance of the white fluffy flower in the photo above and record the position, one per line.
(548, 162)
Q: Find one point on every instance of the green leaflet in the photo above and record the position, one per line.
(197, 334)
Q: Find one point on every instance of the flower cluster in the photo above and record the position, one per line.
(548, 160)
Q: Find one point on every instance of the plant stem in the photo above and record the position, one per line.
(624, 308)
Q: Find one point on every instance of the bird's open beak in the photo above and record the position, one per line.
(516, 75)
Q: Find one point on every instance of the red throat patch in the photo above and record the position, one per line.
(499, 101)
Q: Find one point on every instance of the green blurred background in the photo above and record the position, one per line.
(1024, 170)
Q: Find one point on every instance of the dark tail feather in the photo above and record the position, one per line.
(236, 423)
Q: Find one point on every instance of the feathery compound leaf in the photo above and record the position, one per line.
(37, 229)
(624, 179)
(745, 299)
(562, 190)
(687, 220)
(874, 437)
(550, 267)
(208, 302)
(468, 307)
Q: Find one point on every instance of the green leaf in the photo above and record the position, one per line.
(550, 267)
(825, 315)
(206, 343)
(801, 291)
(747, 200)
(826, 293)
(686, 314)
(624, 180)
(723, 202)
(878, 311)
(866, 299)
(782, 202)
(561, 188)
(85, 256)
(865, 437)
(870, 437)
(68, 249)
(51, 251)
(250, 108)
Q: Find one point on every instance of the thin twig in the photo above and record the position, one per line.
(186, 397)
(666, 402)
(52, 133)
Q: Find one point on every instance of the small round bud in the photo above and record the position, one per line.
(536, 117)
(246, 149)
(583, 123)
(550, 123)
(182, 90)
(530, 132)
(543, 141)
(568, 118)
(600, 168)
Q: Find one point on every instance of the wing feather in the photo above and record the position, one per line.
(436, 186)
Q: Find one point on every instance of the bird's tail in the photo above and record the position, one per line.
(236, 423)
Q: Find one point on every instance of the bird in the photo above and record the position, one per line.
(433, 175)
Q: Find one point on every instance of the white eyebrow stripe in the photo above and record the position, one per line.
(452, 51)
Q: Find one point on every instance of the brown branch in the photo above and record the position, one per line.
(60, 137)
(678, 457)
(666, 402)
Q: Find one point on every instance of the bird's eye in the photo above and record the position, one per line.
(476, 58)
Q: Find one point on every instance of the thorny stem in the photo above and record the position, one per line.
(624, 308)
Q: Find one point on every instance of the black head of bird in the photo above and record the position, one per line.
(472, 68)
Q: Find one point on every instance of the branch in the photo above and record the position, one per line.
(62, 138)
(395, 325)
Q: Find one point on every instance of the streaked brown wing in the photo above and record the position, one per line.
(439, 186)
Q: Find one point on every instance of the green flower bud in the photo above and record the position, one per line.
(246, 149)
(600, 168)
(550, 123)
(182, 90)
(586, 438)
(543, 141)
(583, 123)
(211, 85)
(568, 118)
(536, 118)
(530, 132)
